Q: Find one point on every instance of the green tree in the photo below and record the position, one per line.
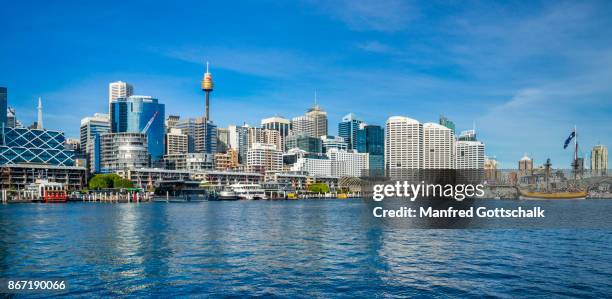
(104, 181)
(318, 188)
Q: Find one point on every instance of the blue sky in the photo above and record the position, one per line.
(524, 72)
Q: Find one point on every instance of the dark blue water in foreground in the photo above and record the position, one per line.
(291, 249)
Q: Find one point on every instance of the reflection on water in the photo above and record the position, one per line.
(289, 249)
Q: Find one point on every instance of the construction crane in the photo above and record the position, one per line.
(146, 128)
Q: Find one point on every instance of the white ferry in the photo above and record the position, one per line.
(248, 191)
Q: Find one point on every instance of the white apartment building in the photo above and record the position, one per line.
(314, 167)
(469, 155)
(438, 147)
(403, 143)
(348, 164)
(263, 157)
(176, 142)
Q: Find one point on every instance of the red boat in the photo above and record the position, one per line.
(49, 192)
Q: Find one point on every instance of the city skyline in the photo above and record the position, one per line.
(523, 99)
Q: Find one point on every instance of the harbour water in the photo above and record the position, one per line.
(306, 248)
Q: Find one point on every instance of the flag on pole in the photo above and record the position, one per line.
(569, 139)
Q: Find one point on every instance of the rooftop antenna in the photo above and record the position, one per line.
(207, 66)
(315, 97)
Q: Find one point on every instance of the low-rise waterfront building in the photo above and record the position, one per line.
(145, 178)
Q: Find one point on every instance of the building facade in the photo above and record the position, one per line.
(176, 142)
(119, 151)
(319, 118)
(438, 147)
(348, 128)
(304, 142)
(277, 123)
(470, 155)
(371, 140)
(348, 163)
(91, 127)
(141, 114)
(263, 157)
(303, 125)
(119, 89)
(331, 142)
(599, 160)
(403, 144)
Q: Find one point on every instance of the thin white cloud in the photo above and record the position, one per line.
(365, 15)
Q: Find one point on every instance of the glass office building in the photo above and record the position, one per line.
(133, 114)
(3, 106)
(348, 128)
(32, 146)
(305, 143)
(371, 140)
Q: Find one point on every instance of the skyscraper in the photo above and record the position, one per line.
(470, 155)
(319, 118)
(403, 144)
(303, 125)
(141, 114)
(599, 159)
(92, 126)
(438, 147)
(371, 140)
(277, 123)
(348, 128)
(119, 89)
(239, 141)
(3, 106)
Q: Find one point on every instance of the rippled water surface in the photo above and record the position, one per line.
(290, 249)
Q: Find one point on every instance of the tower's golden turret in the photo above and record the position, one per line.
(207, 83)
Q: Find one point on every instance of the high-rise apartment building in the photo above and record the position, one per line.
(176, 142)
(141, 114)
(239, 141)
(119, 89)
(470, 155)
(227, 160)
(403, 144)
(201, 134)
(348, 164)
(264, 157)
(438, 147)
(599, 159)
(348, 128)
